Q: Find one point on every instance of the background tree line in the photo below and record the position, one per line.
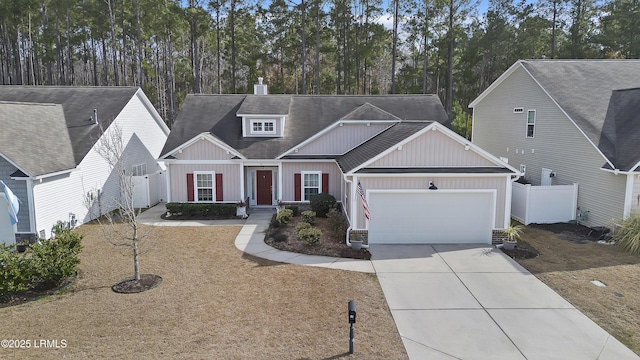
(172, 47)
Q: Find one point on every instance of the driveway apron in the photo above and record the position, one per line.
(474, 302)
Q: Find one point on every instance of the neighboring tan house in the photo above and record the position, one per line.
(271, 148)
(48, 146)
(569, 121)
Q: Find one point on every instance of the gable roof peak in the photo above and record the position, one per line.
(367, 111)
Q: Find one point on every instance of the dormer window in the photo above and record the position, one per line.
(263, 127)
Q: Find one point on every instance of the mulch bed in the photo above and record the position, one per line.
(577, 233)
(329, 244)
(132, 286)
(35, 294)
(521, 251)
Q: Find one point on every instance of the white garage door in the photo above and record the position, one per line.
(431, 217)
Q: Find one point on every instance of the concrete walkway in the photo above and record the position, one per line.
(452, 301)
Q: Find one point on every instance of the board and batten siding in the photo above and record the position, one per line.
(19, 188)
(635, 197)
(230, 180)
(432, 148)
(557, 145)
(291, 168)
(422, 182)
(342, 138)
(203, 150)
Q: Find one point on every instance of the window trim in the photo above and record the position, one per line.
(302, 186)
(142, 166)
(533, 125)
(196, 198)
(262, 123)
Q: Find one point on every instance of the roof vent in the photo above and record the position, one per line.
(260, 88)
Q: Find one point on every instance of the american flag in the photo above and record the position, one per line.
(364, 201)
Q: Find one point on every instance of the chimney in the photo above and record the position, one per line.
(95, 116)
(260, 88)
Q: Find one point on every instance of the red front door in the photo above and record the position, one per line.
(264, 187)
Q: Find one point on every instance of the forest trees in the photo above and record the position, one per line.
(454, 48)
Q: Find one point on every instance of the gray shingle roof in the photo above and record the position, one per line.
(583, 88)
(78, 104)
(34, 137)
(369, 112)
(308, 114)
(261, 104)
(379, 143)
(622, 124)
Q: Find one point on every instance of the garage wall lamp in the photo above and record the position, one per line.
(432, 186)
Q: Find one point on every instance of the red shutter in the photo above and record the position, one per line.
(325, 183)
(297, 186)
(189, 187)
(219, 191)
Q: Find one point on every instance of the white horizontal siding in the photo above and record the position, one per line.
(341, 139)
(290, 168)
(56, 197)
(557, 145)
(432, 148)
(421, 183)
(230, 180)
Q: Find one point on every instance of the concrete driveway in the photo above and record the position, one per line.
(473, 302)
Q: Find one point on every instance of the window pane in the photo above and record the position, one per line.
(531, 117)
(530, 130)
(311, 180)
(257, 126)
(268, 126)
(205, 194)
(309, 192)
(204, 180)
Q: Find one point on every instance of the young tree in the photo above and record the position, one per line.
(120, 223)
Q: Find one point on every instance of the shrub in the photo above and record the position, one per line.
(274, 222)
(513, 232)
(627, 235)
(293, 208)
(45, 266)
(56, 259)
(322, 203)
(308, 216)
(284, 216)
(302, 225)
(337, 222)
(280, 237)
(311, 235)
(15, 272)
(202, 209)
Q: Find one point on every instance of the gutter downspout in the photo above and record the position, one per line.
(352, 212)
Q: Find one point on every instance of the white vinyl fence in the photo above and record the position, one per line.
(148, 190)
(544, 204)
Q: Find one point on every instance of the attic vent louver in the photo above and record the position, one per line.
(518, 110)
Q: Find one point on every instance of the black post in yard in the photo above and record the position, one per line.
(352, 320)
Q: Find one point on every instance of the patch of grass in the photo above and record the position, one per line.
(214, 302)
(568, 267)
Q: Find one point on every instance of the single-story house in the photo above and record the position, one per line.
(48, 152)
(569, 121)
(286, 148)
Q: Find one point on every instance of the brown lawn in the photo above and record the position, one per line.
(214, 302)
(568, 267)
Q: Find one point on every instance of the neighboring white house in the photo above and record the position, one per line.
(48, 149)
(423, 183)
(565, 122)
